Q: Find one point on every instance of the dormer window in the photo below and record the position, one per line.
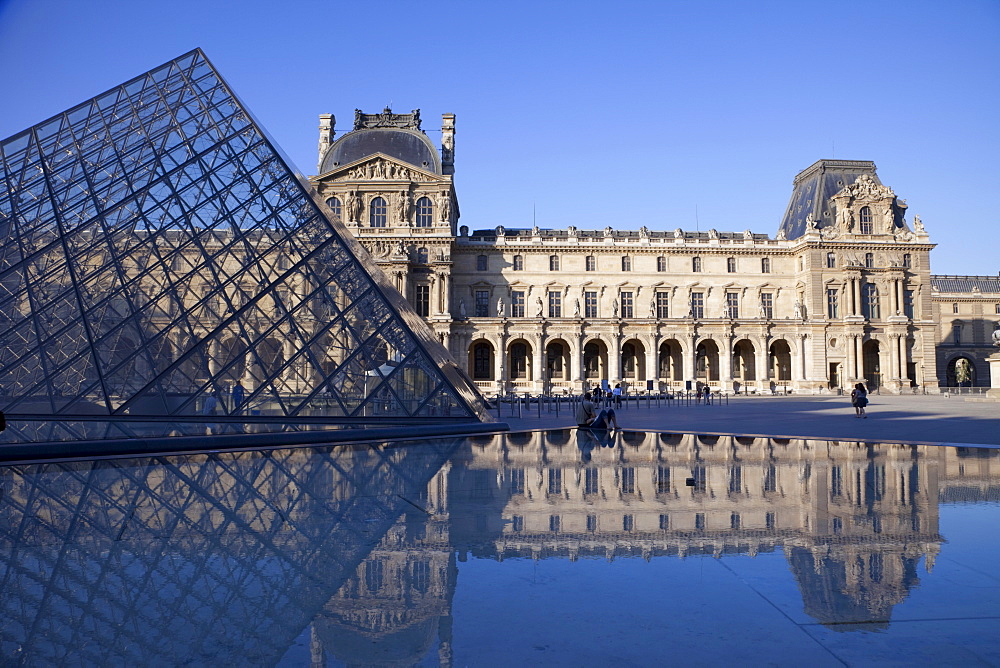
(865, 220)
(425, 212)
(377, 213)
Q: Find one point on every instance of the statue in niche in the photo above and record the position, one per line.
(652, 308)
(761, 310)
(678, 233)
(500, 307)
(401, 207)
(353, 207)
(890, 218)
(538, 307)
(576, 308)
(461, 308)
(614, 307)
(797, 310)
(444, 204)
(918, 225)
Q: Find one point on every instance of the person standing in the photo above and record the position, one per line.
(859, 399)
(239, 393)
(617, 392)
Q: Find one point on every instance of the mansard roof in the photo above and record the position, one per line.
(814, 186)
(396, 135)
(970, 284)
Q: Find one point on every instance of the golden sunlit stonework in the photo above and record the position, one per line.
(843, 293)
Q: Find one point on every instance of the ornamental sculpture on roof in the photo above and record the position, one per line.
(387, 119)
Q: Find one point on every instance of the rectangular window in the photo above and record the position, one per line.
(554, 523)
(553, 263)
(591, 523)
(907, 261)
(699, 521)
(870, 302)
(771, 478)
(836, 482)
(767, 305)
(628, 522)
(517, 523)
(732, 304)
(662, 304)
(832, 311)
(661, 263)
(517, 304)
(481, 263)
(769, 520)
(423, 300)
(908, 303)
(628, 480)
(518, 263)
(591, 263)
(697, 304)
(956, 334)
(731, 265)
(590, 304)
(954, 307)
(734, 521)
(664, 522)
(555, 481)
(696, 264)
(628, 308)
(516, 481)
(482, 303)
(735, 479)
(831, 260)
(765, 265)
(626, 263)
(590, 481)
(998, 309)
(663, 480)
(555, 304)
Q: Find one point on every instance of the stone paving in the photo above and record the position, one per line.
(914, 419)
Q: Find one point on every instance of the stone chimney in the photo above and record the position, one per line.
(448, 143)
(326, 132)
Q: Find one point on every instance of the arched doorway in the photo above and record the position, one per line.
(707, 361)
(481, 360)
(233, 362)
(744, 363)
(961, 372)
(871, 366)
(781, 361)
(671, 361)
(557, 362)
(595, 361)
(633, 369)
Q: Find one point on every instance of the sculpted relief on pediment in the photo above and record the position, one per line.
(381, 169)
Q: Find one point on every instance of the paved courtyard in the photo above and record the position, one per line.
(920, 419)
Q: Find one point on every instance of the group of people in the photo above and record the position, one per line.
(609, 397)
(859, 399)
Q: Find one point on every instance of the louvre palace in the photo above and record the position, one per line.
(842, 293)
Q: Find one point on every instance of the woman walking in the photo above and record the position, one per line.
(859, 399)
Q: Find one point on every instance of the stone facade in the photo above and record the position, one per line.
(841, 294)
(967, 311)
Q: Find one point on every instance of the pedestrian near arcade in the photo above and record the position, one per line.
(859, 399)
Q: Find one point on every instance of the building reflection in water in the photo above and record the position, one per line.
(232, 557)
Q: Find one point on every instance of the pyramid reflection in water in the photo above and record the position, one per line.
(157, 256)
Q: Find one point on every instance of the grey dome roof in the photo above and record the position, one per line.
(410, 146)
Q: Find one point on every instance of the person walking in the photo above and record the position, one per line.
(859, 399)
(617, 392)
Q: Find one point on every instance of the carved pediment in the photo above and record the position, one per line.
(380, 167)
(865, 188)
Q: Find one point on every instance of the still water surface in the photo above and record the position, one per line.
(543, 548)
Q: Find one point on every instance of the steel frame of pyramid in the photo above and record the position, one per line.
(158, 256)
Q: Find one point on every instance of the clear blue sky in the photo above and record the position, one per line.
(590, 113)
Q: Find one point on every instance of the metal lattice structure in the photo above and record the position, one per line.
(159, 257)
(215, 559)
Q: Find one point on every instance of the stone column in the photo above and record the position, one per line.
(446, 289)
(576, 361)
(726, 363)
(501, 364)
(615, 359)
(537, 364)
(652, 360)
(692, 361)
(763, 368)
(859, 360)
(802, 357)
(902, 358)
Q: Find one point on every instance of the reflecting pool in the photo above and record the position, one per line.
(554, 548)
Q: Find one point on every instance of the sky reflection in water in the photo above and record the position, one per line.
(543, 547)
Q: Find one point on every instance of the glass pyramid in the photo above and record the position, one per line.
(159, 257)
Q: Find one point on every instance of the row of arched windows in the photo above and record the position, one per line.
(378, 211)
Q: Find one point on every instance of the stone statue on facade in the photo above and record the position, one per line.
(996, 336)
(571, 230)
(353, 207)
(500, 307)
(761, 310)
(797, 310)
(461, 308)
(608, 232)
(538, 307)
(918, 225)
(614, 307)
(643, 232)
(402, 207)
(652, 308)
(748, 235)
(678, 233)
(781, 235)
(811, 223)
(444, 206)
(535, 231)
(501, 231)
(713, 233)
(576, 308)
